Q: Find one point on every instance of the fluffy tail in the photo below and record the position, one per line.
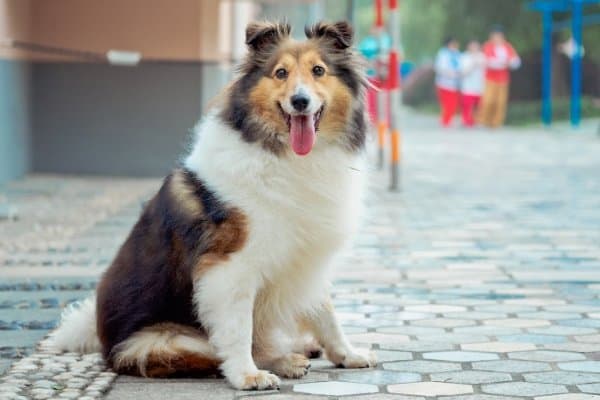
(77, 329)
(164, 350)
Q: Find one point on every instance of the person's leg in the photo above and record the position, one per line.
(501, 104)
(443, 99)
(487, 102)
(468, 105)
(453, 103)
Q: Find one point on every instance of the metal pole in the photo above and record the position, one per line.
(381, 94)
(576, 63)
(547, 68)
(395, 96)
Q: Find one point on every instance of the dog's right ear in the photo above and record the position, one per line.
(261, 36)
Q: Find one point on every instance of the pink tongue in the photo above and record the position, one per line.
(302, 134)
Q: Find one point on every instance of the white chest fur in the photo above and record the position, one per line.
(300, 210)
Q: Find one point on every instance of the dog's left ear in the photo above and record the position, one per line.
(339, 34)
(261, 36)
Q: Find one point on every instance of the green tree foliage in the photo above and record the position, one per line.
(425, 24)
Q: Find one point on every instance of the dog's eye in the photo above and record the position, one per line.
(318, 70)
(281, 73)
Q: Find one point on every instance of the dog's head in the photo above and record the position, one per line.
(291, 95)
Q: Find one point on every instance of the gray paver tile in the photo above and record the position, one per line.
(564, 377)
(379, 377)
(383, 396)
(585, 366)
(569, 396)
(171, 389)
(471, 377)
(523, 389)
(460, 356)
(422, 366)
(335, 388)
(546, 356)
(481, 396)
(430, 389)
(590, 388)
(511, 366)
(498, 347)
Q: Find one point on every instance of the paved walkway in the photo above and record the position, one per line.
(480, 281)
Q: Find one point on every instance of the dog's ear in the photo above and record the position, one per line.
(339, 34)
(261, 36)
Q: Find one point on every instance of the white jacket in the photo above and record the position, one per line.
(472, 68)
(447, 69)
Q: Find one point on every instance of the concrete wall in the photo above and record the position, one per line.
(98, 119)
(15, 117)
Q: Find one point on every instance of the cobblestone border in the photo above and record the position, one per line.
(48, 374)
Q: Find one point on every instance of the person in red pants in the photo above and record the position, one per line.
(472, 65)
(447, 79)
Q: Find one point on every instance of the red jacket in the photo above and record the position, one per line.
(500, 61)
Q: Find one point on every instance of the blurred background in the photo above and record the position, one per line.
(65, 109)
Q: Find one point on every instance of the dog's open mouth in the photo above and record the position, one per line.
(303, 130)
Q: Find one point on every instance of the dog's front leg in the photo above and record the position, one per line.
(225, 301)
(328, 332)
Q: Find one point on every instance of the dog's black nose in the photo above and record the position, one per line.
(300, 102)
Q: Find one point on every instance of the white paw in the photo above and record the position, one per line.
(356, 358)
(293, 365)
(259, 380)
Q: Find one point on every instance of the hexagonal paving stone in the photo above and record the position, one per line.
(381, 396)
(517, 322)
(430, 389)
(422, 366)
(335, 388)
(460, 356)
(481, 396)
(388, 355)
(434, 308)
(529, 338)
(584, 323)
(488, 330)
(546, 356)
(588, 338)
(498, 347)
(564, 377)
(373, 337)
(552, 316)
(379, 377)
(286, 396)
(573, 346)
(512, 366)
(471, 377)
(585, 366)
(562, 330)
(444, 322)
(523, 389)
(590, 388)
(412, 330)
(419, 346)
(454, 338)
(569, 396)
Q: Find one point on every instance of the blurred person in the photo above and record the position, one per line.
(472, 66)
(501, 57)
(447, 80)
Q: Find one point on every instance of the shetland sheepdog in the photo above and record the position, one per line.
(227, 267)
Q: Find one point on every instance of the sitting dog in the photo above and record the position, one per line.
(227, 267)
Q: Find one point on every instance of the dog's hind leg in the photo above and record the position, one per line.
(164, 350)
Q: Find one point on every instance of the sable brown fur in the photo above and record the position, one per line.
(182, 231)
